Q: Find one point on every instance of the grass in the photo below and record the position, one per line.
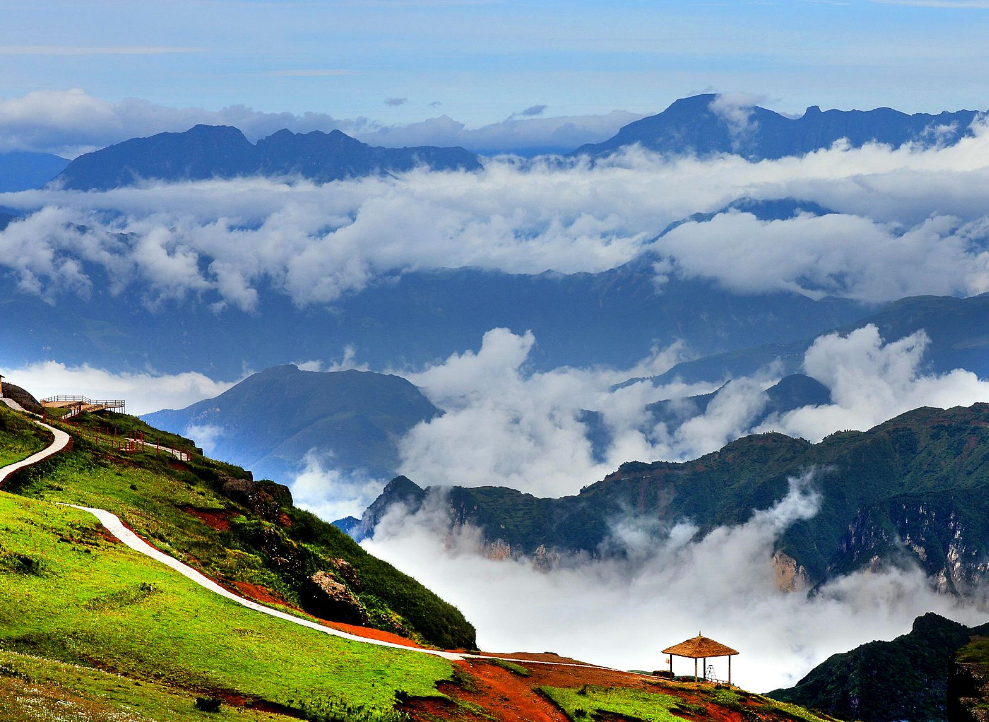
(582, 704)
(512, 667)
(19, 438)
(151, 492)
(96, 603)
(975, 652)
(41, 690)
(590, 702)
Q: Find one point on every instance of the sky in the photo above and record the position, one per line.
(482, 61)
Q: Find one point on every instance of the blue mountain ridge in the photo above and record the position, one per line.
(206, 152)
(692, 125)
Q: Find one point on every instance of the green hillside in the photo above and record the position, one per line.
(19, 438)
(904, 679)
(213, 517)
(101, 633)
(88, 601)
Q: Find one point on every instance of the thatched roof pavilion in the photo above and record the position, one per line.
(700, 648)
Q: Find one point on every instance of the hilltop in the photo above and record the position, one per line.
(903, 679)
(709, 124)
(357, 417)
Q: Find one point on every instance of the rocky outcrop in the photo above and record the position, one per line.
(347, 571)
(328, 598)
(968, 693)
(265, 498)
(790, 576)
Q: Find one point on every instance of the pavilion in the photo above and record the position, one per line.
(700, 648)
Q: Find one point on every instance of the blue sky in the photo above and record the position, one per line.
(481, 61)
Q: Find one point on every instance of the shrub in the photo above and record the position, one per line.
(208, 704)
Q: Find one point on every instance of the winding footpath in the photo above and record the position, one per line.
(61, 441)
(116, 527)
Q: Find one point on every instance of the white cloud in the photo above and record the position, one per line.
(872, 381)
(70, 122)
(506, 427)
(96, 50)
(736, 110)
(329, 493)
(909, 221)
(143, 392)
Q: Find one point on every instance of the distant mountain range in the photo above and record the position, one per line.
(702, 124)
(708, 124)
(914, 489)
(957, 327)
(904, 679)
(22, 171)
(206, 152)
(271, 420)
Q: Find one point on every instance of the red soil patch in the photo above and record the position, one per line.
(507, 696)
(218, 519)
(177, 465)
(259, 593)
(105, 535)
(369, 633)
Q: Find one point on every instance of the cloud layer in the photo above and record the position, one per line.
(907, 222)
(504, 426)
(71, 122)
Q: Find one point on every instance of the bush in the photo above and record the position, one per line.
(208, 704)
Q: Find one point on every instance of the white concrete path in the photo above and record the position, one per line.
(61, 441)
(117, 528)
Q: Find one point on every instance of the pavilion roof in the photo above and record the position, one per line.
(700, 647)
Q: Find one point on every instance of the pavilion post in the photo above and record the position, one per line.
(671, 666)
(729, 670)
(695, 669)
(704, 671)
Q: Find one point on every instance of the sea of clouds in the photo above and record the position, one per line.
(907, 221)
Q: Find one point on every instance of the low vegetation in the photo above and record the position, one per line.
(19, 438)
(34, 689)
(590, 702)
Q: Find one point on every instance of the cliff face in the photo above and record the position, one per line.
(937, 530)
(968, 684)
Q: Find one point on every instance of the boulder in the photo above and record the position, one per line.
(264, 498)
(328, 598)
